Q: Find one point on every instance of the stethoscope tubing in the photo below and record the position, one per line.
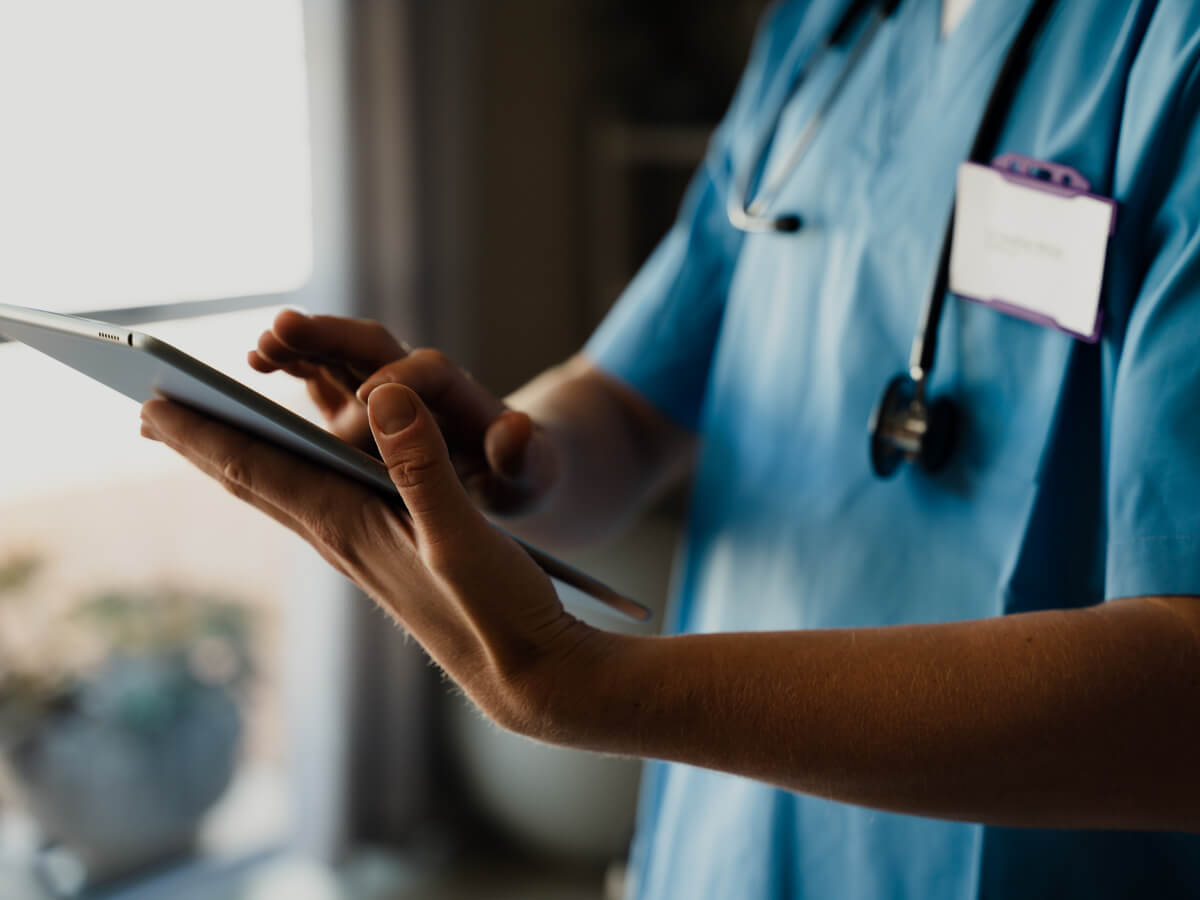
(995, 116)
(752, 215)
(905, 424)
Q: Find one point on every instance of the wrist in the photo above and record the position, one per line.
(570, 691)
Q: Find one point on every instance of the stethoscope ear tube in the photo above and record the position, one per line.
(755, 217)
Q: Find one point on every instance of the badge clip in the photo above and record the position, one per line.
(1030, 240)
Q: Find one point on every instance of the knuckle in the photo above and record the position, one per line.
(376, 327)
(397, 371)
(325, 320)
(371, 331)
(345, 531)
(235, 472)
(426, 370)
(430, 358)
(376, 522)
(332, 529)
(235, 476)
(329, 534)
(447, 554)
(393, 371)
(411, 467)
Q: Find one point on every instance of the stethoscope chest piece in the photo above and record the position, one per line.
(906, 428)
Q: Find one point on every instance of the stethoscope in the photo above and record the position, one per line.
(906, 425)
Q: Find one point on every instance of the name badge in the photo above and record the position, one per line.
(1030, 240)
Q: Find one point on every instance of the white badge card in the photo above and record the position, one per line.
(1030, 241)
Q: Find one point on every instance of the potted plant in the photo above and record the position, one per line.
(119, 721)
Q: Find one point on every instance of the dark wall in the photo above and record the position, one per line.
(554, 78)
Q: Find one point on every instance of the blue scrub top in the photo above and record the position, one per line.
(1077, 478)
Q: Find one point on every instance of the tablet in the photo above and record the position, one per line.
(141, 367)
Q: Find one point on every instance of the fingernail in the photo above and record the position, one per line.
(366, 389)
(393, 409)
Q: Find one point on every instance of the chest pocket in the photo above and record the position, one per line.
(1023, 390)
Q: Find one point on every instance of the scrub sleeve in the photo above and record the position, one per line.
(1152, 356)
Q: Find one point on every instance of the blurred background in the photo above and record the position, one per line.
(191, 704)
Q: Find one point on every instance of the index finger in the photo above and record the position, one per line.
(359, 345)
(461, 404)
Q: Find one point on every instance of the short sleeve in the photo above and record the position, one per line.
(1153, 471)
(660, 336)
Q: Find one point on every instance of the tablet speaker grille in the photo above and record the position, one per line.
(110, 337)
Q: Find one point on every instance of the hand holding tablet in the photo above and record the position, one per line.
(142, 368)
(505, 462)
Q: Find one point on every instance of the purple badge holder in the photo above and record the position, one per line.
(1061, 181)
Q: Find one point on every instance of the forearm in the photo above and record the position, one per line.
(616, 454)
(1059, 719)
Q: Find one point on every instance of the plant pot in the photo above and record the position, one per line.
(122, 778)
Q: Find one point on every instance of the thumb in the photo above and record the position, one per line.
(411, 446)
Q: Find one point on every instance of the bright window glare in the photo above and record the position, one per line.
(152, 151)
(76, 433)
